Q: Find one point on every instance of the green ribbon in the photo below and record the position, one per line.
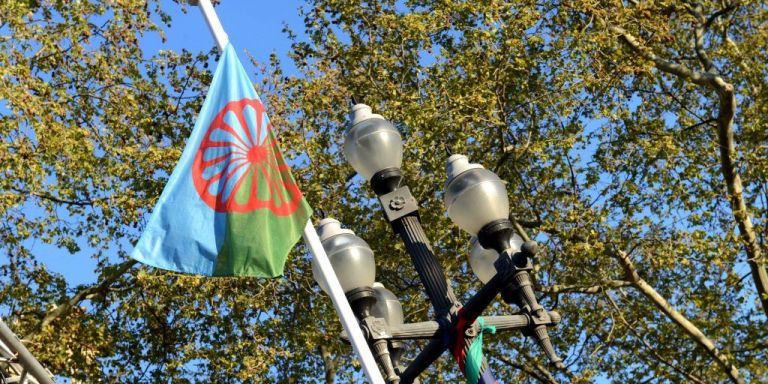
(474, 359)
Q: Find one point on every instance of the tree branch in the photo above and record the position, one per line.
(45, 196)
(700, 123)
(83, 294)
(698, 38)
(696, 77)
(676, 317)
(650, 348)
(519, 229)
(329, 365)
(598, 288)
(728, 8)
(728, 155)
(537, 371)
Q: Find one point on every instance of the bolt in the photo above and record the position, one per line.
(397, 203)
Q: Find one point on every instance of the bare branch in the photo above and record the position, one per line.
(650, 348)
(589, 289)
(536, 371)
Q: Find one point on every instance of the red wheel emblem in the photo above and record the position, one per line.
(238, 167)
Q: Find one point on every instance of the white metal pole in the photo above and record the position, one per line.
(347, 317)
(213, 23)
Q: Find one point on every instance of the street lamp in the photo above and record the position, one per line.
(373, 147)
(352, 260)
(476, 201)
(354, 266)
(474, 196)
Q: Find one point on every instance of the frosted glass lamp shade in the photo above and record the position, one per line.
(482, 260)
(387, 306)
(351, 257)
(372, 144)
(474, 196)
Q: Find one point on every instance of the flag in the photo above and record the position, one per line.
(231, 206)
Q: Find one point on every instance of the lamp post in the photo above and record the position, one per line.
(476, 201)
(374, 148)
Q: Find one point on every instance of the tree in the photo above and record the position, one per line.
(631, 134)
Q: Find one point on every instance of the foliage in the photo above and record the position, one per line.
(614, 158)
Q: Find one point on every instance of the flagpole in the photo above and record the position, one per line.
(347, 317)
(214, 25)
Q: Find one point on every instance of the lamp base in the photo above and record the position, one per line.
(386, 180)
(361, 300)
(497, 235)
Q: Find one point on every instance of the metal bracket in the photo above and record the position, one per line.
(377, 328)
(540, 318)
(434, 330)
(508, 263)
(374, 328)
(398, 203)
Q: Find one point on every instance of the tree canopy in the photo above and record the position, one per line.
(633, 137)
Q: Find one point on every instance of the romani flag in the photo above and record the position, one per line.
(231, 206)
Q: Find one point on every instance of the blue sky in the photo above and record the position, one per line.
(252, 25)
